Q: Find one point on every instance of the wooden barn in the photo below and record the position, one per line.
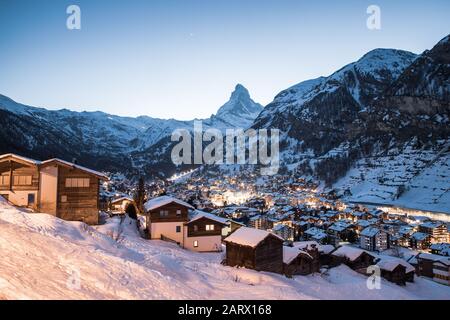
(300, 262)
(396, 271)
(356, 259)
(255, 249)
(61, 188)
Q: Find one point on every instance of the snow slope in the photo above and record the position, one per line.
(423, 174)
(47, 258)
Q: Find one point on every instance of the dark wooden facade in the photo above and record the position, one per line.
(362, 262)
(43, 187)
(172, 208)
(197, 228)
(19, 181)
(397, 276)
(425, 267)
(266, 256)
(77, 203)
(305, 263)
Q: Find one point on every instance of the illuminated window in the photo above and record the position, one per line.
(178, 212)
(22, 180)
(195, 244)
(195, 227)
(63, 198)
(209, 227)
(77, 182)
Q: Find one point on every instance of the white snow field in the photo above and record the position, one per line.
(43, 257)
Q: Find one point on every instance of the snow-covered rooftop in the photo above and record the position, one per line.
(122, 199)
(75, 166)
(162, 201)
(249, 236)
(389, 264)
(370, 232)
(15, 156)
(350, 253)
(200, 214)
(290, 253)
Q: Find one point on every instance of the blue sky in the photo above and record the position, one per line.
(182, 58)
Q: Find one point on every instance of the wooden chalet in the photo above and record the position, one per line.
(300, 261)
(61, 188)
(255, 249)
(396, 271)
(173, 220)
(203, 233)
(165, 218)
(356, 259)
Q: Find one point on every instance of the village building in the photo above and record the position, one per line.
(165, 218)
(57, 187)
(420, 240)
(442, 249)
(361, 225)
(404, 236)
(437, 231)
(396, 270)
(124, 205)
(357, 259)
(441, 271)
(339, 231)
(300, 262)
(374, 239)
(284, 231)
(324, 250)
(254, 249)
(173, 220)
(258, 222)
(203, 233)
(316, 234)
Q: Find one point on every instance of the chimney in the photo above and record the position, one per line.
(74, 160)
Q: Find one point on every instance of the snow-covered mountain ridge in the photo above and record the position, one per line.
(102, 140)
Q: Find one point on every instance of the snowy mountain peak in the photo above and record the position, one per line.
(240, 92)
(239, 111)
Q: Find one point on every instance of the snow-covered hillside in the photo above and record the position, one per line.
(44, 257)
(408, 177)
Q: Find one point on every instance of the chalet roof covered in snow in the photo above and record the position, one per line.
(390, 263)
(200, 214)
(20, 158)
(55, 160)
(159, 202)
(432, 257)
(350, 253)
(249, 236)
(290, 253)
(122, 199)
(74, 166)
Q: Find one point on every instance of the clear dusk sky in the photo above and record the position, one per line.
(182, 58)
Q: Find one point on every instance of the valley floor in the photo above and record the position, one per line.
(47, 258)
